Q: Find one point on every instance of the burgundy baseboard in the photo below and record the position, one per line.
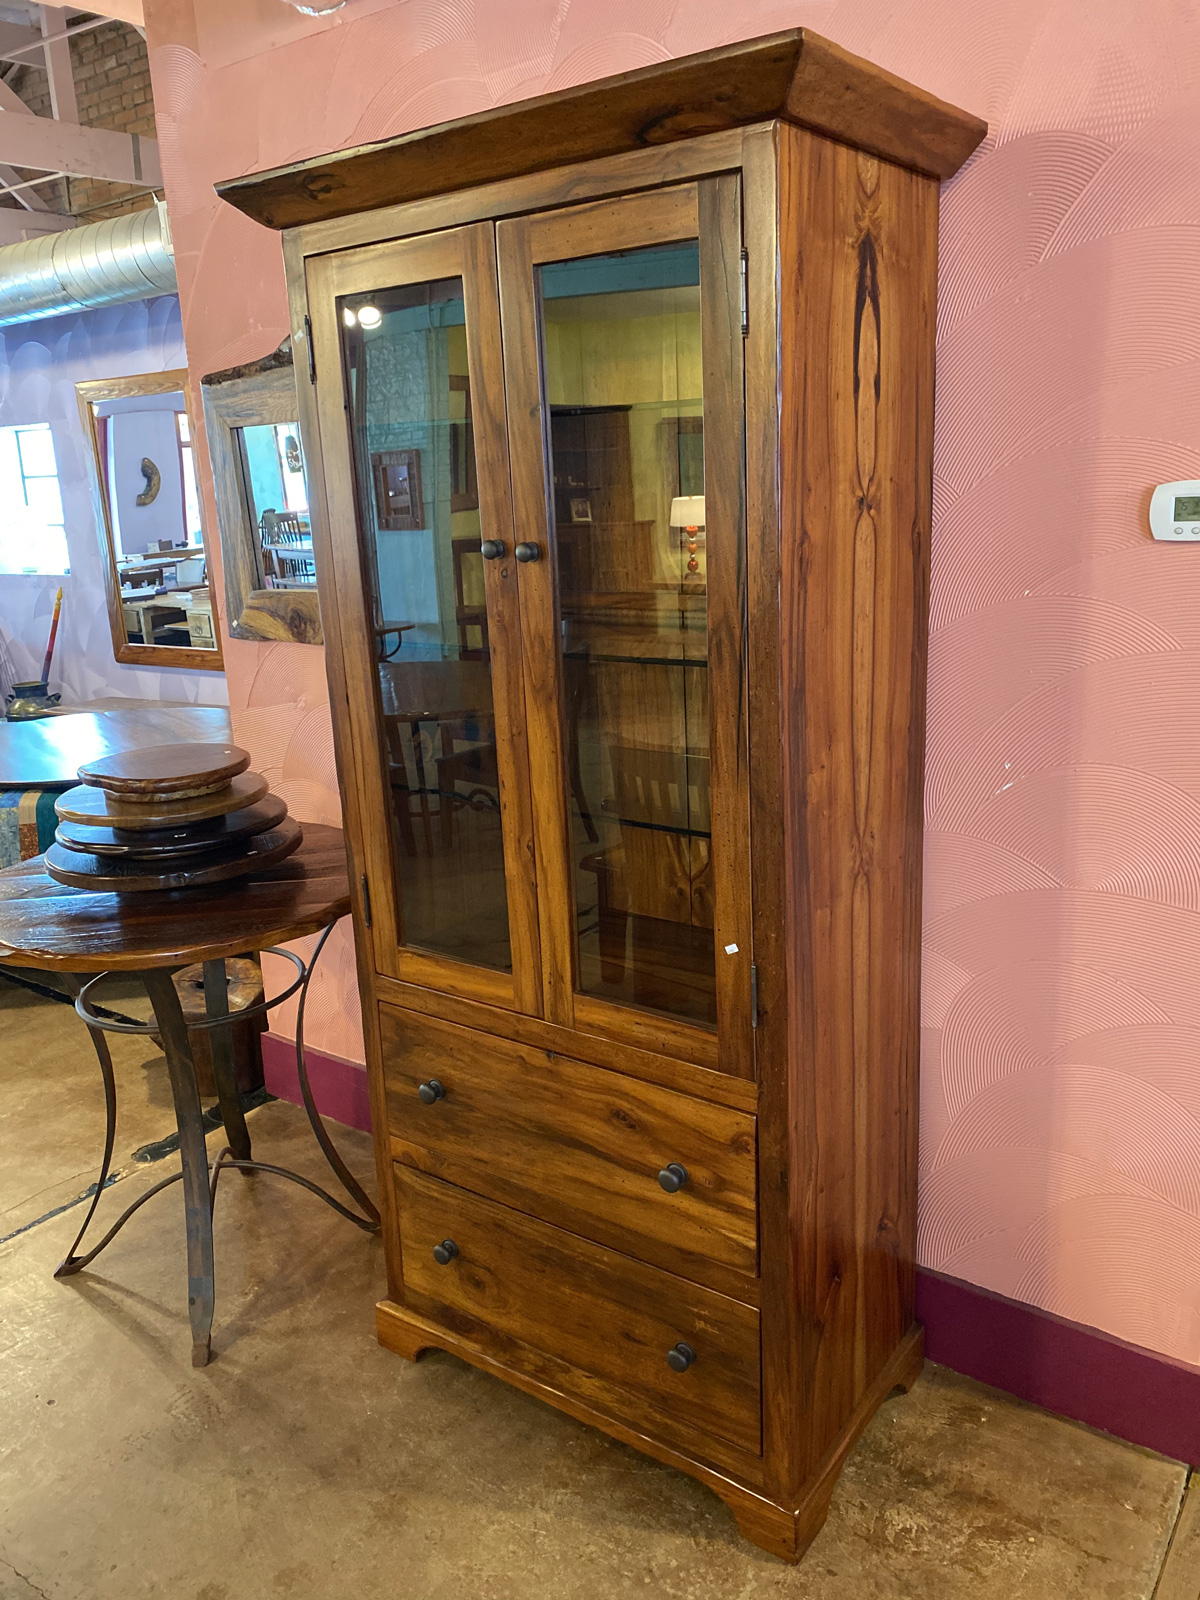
(339, 1086)
(1064, 1366)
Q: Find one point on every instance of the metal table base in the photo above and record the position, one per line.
(198, 1174)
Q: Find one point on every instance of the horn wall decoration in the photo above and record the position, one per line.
(153, 479)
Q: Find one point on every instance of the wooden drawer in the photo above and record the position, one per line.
(578, 1145)
(518, 1286)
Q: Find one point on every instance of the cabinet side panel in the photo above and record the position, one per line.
(858, 242)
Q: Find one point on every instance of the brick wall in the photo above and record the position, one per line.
(112, 90)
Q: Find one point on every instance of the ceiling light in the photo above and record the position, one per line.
(348, 317)
(369, 316)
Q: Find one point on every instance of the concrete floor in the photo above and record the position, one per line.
(307, 1462)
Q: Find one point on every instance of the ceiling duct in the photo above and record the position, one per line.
(101, 264)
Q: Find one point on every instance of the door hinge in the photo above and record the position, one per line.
(366, 900)
(745, 293)
(754, 994)
(312, 354)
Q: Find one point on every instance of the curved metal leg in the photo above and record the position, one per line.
(72, 1263)
(197, 1198)
(220, 1042)
(345, 1177)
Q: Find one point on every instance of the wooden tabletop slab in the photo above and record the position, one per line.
(131, 875)
(147, 843)
(47, 753)
(44, 924)
(173, 770)
(95, 808)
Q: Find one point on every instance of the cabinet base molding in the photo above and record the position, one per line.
(788, 1533)
(782, 1529)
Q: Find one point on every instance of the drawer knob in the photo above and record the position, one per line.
(673, 1177)
(527, 551)
(445, 1253)
(493, 549)
(680, 1357)
(430, 1093)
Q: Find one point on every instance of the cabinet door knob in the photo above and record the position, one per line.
(493, 549)
(445, 1253)
(527, 552)
(680, 1357)
(672, 1177)
(431, 1092)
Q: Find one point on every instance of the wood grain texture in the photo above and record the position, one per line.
(819, 645)
(88, 395)
(44, 924)
(129, 875)
(485, 363)
(165, 770)
(656, 167)
(858, 244)
(146, 843)
(606, 1321)
(787, 1530)
(47, 753)
(578, 1146)
(91, 806)
(795, 74)
(719, 220)
(290, 615)
(703, 1081)
(351, 784)
(407, 1334)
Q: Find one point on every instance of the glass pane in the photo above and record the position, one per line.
(406, 359)
(623, 381)
(37, 451)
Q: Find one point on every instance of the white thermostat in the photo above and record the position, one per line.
(1175, 510)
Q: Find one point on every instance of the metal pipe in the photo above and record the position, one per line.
(101, 264)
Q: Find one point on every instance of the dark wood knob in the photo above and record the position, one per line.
(493, 549)
(527, 552)
(446, 1252)
(433, 1091)
(672, 1177)
(680, 1357)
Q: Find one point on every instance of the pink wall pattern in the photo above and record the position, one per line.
(1061, 1099)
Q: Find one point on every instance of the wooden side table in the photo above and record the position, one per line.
(82, 936)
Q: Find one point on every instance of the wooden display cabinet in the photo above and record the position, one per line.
(637, 856)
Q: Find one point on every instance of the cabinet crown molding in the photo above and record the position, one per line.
(795, 76)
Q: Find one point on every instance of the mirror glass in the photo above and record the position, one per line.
(251, 418)
(277, 498)
(148, 506)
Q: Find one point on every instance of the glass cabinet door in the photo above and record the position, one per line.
(642, 548)
(416, 331)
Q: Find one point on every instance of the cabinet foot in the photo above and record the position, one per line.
(397, 1334)
(783, 1533)
(788, 1532)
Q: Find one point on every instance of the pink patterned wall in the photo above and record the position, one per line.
(1061, 1100)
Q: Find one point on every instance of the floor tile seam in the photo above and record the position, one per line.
(1164, 1567)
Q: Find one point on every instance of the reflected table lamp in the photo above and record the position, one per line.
(687, 514)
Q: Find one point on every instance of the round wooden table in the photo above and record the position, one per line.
(82, 935)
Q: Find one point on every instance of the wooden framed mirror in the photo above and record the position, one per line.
(251, 420)
(142, 471)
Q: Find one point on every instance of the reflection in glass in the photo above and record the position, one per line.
(409, 388)
(273, 473)
(148, 478)
(623, 376)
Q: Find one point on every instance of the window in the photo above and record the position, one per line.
(191, 494)
(32, 537)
